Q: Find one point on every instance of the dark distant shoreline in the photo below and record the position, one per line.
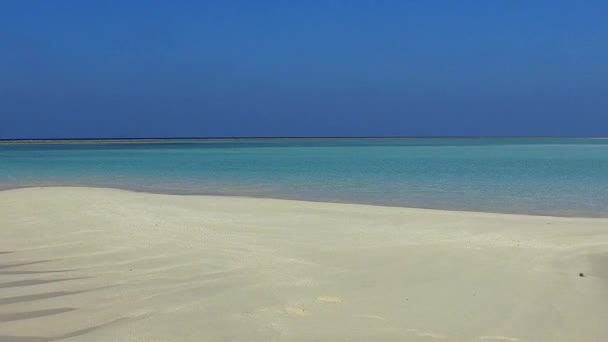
(186, 139)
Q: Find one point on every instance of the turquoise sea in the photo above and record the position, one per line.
(564, 177)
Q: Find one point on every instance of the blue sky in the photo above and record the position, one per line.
(86, 69)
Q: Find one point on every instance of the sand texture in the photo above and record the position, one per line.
(86, 264)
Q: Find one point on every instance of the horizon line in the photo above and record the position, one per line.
(310, 137)
(304, 137)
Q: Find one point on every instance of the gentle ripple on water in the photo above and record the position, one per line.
(566, 177)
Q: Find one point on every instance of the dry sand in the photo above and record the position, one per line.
(84, 264)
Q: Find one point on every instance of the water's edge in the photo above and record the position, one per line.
(362, 203)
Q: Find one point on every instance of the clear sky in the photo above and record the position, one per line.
(126, 68)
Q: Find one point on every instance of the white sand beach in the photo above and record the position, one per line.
(89, 264)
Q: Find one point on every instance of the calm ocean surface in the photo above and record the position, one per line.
(565, 177)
